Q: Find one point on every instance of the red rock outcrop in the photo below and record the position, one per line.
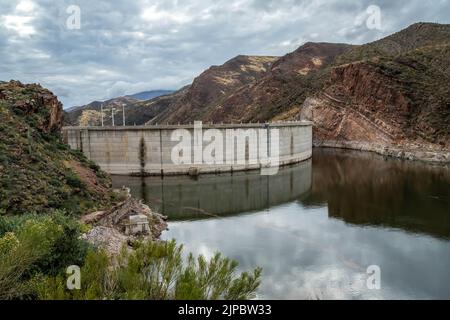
(34, 99)
(361, 108)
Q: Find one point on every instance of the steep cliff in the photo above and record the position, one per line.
(395, 100)
(38, 173)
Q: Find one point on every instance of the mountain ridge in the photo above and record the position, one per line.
(150, 94)
(89, 114)
(390, 94)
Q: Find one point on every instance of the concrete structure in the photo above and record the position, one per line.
(148, 150)
(137, 224)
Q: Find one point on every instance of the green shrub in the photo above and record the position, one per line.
(20, 250)
(67, 249)
(202, 280)
(73, 180)
(154, 271)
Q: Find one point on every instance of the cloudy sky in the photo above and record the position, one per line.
(123, 46)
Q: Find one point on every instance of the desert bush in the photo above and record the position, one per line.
(20, 250)
(155, 271)
(203, 280)
(67, 249)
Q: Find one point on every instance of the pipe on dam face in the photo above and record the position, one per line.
(183, 149)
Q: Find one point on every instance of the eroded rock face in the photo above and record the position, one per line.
(390, 96)
(358, 105)
(34, 99)
(361, 108)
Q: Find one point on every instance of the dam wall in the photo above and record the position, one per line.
(150, 150)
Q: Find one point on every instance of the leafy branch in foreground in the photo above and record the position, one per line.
(20, 250)
(155, 271)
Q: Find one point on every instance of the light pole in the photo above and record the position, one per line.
(112, 116)
(101, 107)
(123, 114)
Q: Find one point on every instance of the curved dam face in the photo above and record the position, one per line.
(183, 149)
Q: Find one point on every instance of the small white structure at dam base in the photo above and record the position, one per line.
(215, 148)
(137, 224)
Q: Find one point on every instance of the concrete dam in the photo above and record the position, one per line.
(195, 148)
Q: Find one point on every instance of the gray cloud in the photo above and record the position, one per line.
(128, 46)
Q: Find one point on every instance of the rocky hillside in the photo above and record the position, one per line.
(38, 172)
(391, 96)
(187, 104)
(147, 95)
(144, 111)
(90, 114)
(249, 88)
(212, 87)
(137, 106)
(279, 92)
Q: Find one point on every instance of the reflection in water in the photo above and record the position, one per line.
(184, 198)
(316, 228)
(366, 189)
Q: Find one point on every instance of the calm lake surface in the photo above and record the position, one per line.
(317, 226)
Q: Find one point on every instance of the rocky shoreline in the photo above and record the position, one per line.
(109, 228)
(412, 152)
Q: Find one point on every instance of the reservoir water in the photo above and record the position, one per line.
(315, 228)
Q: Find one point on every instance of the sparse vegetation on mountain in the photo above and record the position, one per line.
(138, 109)
(390, 96)
(38, 172)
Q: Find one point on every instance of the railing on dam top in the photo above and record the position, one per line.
(195, 148)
